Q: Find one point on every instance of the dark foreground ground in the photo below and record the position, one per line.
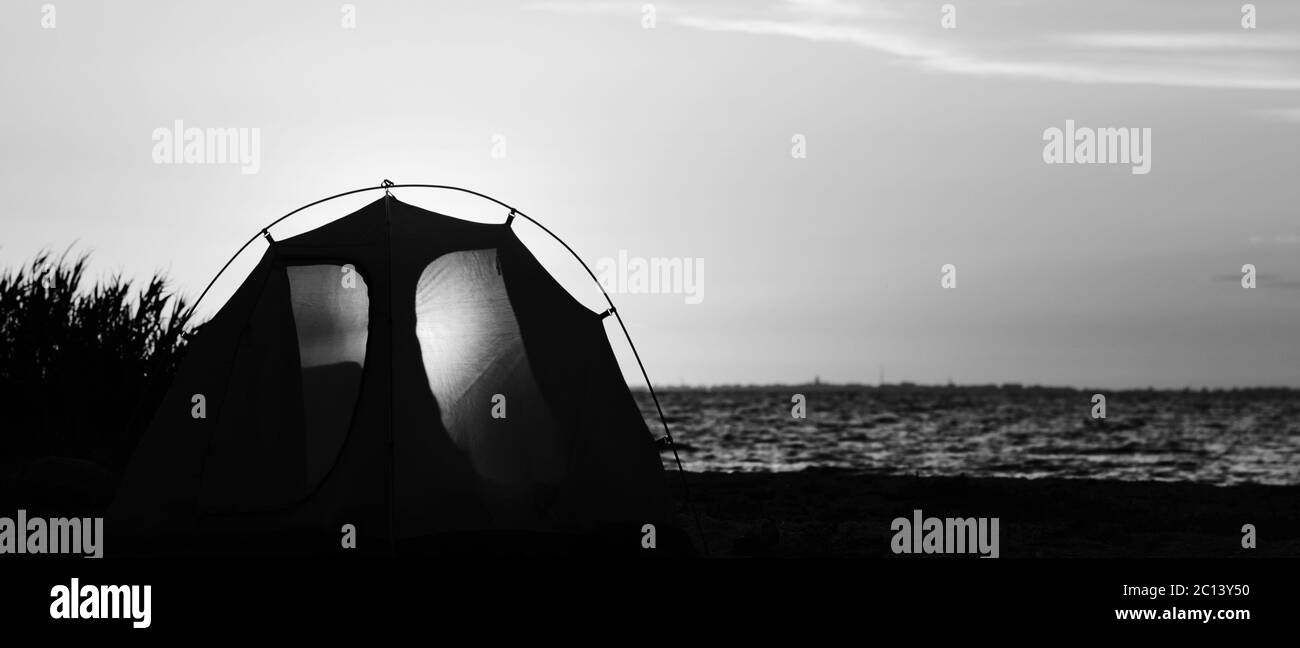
(836, 513)
(826, 512)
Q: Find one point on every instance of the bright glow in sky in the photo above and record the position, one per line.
(924, 148)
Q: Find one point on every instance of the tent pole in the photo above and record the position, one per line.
(668, 436)
(392, 378)
(386, 185)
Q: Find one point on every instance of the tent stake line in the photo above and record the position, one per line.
(386, 186)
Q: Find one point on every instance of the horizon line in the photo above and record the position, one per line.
(950, 385)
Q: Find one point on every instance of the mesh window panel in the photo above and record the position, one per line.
(474, 358)
(331, 312)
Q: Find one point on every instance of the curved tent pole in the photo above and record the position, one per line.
(386, 185)
(668, 436)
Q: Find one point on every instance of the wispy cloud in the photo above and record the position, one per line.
(1241, 41)
(869, 39)
(1241, 59)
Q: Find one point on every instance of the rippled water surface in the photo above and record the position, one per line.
(1223, 437)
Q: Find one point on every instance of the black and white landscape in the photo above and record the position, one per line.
(992, 279)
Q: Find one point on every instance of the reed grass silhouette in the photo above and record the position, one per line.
(82, 366)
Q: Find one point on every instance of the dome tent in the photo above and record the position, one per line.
(420, 378)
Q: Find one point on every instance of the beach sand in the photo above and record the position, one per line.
(841, 513)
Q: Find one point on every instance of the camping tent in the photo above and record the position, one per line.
(416, 376)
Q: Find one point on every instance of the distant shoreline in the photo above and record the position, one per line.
(992, 387)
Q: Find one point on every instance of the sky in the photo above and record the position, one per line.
(817, 163)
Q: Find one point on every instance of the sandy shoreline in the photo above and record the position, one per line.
(837, 513)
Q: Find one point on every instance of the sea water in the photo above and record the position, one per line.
(1215, 437)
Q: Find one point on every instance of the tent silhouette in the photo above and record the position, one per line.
(406, 379)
